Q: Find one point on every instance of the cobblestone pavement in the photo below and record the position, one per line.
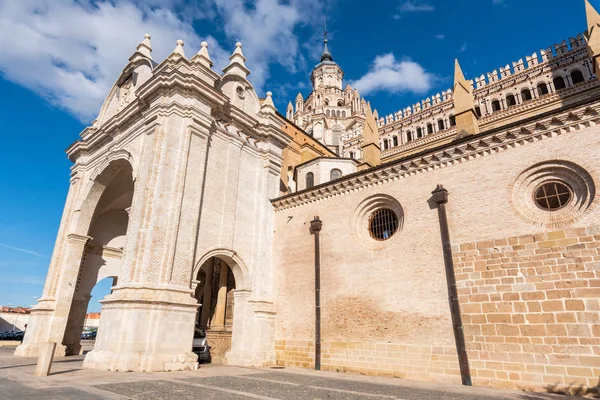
(69, 380)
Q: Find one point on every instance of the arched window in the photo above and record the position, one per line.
(419, 132)
(385, 144)
(335, 174)
(310, 180)
(577, 77)
(395, 141)
(351, 154)
(526, 95)
(343, 114)
(409, 136)
(496, 105)
(429, 129)
(511, 101)
(542, 89)
(340, 103)
(452, 120)
(559, 83)
(337, 113)
(326, 102)
(478, 111)
(440, 125)
(328, 113)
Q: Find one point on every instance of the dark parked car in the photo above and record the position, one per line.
(91, 335)
(12, 335)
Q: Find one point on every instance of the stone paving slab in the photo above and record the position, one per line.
(11, 390)
(161, 390)
(68, 380)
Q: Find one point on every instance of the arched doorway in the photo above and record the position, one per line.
(215, 294)
(103, 252)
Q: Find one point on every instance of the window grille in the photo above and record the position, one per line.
(383, 224)
(553, 196)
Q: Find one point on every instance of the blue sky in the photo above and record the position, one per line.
(59, 58)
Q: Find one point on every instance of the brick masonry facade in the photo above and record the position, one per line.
(375, 359)
(530, 306)
(528, 282)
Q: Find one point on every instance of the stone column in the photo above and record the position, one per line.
(218, 322)
(41, 315)
(148, 320)
(53, 329)
(240, 343)
(207, 296)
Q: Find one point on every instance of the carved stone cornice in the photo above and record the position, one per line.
(556, 123)
(78, 239)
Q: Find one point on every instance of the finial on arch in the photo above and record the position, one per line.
(202, 56)
(143, 49)
(178, 51)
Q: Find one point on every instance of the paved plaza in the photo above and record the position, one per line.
(69, 380)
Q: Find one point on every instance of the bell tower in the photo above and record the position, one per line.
(327, 74)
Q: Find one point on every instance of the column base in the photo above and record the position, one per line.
(133, 361)
(40, 331)
(145, 329)
(35, 350)
(250, 358)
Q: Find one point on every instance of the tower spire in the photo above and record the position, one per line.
(326, 56)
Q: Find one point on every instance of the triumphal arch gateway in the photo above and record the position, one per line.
(459, 237)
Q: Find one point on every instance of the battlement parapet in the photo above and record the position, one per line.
(558, 50)
(497, 76)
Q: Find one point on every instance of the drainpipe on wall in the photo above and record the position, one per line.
(315, 228)
(440, 197)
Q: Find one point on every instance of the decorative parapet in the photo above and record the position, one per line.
(418, 143)
(498, 79)
(481, 145)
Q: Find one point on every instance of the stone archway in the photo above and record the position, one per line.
(88, 248)
(215, 314)
(103, 251)
(220, 281)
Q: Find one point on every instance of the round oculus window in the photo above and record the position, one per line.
(383, 224)
(553, 195)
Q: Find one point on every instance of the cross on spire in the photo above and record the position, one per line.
(326, 56)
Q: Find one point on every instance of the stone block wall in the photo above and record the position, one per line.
(531, 308)
(425, 363)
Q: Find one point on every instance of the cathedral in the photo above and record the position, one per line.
(455, 240)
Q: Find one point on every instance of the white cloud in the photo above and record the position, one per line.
(266, 28)
(464, 47)
(440, 37)
(414, 6)
(71, 51)
(498, 1)
(22, 250)
(387, 74)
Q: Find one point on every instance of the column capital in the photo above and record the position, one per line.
(241, 293)
(78, 239)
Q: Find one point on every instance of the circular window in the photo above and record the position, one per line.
(240, 92)
(383, 224)
(552, 195)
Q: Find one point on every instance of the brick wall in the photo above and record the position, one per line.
(425, 363)
(531, 308)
